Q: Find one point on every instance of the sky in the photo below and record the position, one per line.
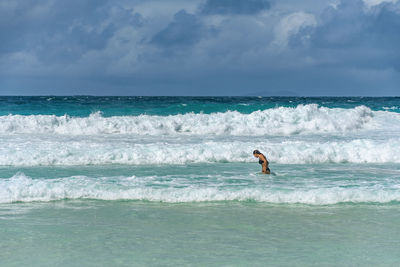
(200, 47)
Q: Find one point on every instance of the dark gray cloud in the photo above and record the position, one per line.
(61, 30)
(359, 38)
(242, 7)
(154, 47)
(185, 29)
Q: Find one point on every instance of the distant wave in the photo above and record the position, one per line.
(280, 121)
(21, 188)
(86, 152)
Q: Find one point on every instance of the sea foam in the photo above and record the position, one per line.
(21, 188)
(302, 135)
(88, 152)
(280, 121)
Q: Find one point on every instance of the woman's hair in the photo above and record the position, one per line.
(256, 152)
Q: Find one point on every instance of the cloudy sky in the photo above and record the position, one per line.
(200, 47)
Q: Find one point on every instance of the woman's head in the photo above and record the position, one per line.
(256, 153)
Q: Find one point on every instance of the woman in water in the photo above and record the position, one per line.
(262, 160)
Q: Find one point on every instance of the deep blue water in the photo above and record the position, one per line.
(120, 106)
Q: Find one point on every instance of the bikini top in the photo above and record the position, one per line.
(260, 161)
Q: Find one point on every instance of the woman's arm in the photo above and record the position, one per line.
(264, 167)
(265, 164)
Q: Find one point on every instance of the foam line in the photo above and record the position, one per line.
(25, 189)
(86, 152)
(281, 121)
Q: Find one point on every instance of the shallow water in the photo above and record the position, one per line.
(89, 233)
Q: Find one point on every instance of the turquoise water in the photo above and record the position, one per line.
(93, 233)
(136, 105)
(167, 181)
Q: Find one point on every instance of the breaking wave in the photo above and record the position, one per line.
(55, 152)
(21, 188)
(280, 121)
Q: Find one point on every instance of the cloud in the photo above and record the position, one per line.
(185, 29)
(372, 3)
(56, 35)
(241, 7)
(228, 47)
(354, 36)
(291, 25)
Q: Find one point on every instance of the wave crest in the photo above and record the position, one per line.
(304, 119)
(287, 152)
(25, 189)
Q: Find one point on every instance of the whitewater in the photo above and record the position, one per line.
(300, 135)
(304, 119)
(357, 139)
(200, 187)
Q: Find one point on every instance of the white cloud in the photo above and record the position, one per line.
(372, 3)
(291, 25)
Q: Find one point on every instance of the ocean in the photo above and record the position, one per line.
(171, 181)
